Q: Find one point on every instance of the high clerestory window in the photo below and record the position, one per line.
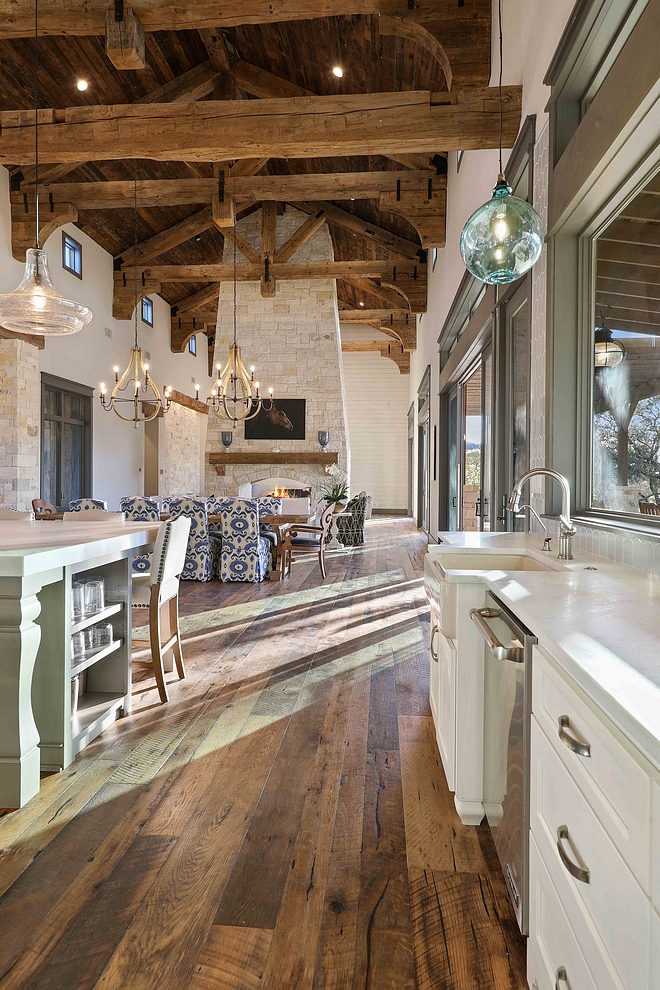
(148, 312)
(71, 255)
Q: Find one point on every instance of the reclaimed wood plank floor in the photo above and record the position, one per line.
(282, 823)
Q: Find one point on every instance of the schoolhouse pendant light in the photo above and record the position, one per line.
(608, 352)
(504, 237)
(35, 306)
(135, 391)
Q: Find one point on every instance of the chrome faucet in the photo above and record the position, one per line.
(566, 527)
(546, 542)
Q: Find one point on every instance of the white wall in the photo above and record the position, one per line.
(377, 409)
(89, 356)
(532, 29)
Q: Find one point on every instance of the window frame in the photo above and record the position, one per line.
(192, 345)
(62, 385)
(78, 247)
(150, 304)
(616, 205)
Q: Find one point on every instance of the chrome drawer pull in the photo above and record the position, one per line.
(433, 632)
(561, 977)
(579, 872)
(500, 652)
(575, 746)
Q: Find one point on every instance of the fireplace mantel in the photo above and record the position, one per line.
(272, 457)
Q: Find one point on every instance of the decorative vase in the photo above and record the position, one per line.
(339, 507)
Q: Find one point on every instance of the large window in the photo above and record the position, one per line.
(66, 414)
(625, 463)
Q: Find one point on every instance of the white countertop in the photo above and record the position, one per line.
(31, 547)
(603, 626)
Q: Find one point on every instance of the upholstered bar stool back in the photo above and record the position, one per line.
(139, 508)
(160, 588)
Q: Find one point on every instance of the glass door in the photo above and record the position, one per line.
(516, 323)
(453, 473)
(472, 446)
(486, 440)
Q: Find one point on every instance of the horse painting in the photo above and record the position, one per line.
(277, 417)
(284, 421)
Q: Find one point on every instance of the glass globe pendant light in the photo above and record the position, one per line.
(504, 237)
(35, 306)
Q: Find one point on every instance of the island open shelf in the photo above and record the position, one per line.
(107, 694)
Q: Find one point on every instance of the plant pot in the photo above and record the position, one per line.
(339, 507)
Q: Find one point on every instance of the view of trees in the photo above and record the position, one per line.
(643, 452)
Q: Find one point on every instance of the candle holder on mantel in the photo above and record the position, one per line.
(227, 437)
(324, 440)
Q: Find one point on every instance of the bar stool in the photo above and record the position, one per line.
(160, 588)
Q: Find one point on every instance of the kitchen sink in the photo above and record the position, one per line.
(480, 561)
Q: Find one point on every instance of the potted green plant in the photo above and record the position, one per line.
(337, 494)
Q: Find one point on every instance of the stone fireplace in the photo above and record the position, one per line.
(295, 497)
(293, 339)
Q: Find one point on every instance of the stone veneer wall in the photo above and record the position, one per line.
(181, 446)
(19, 424)
(293, 340)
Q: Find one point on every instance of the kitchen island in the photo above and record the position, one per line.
(38, 562)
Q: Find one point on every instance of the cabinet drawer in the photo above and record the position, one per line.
(442, 595)
(613, 778)
(610, 914)
(554, 958)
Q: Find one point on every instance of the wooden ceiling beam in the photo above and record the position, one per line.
(370, 315)
(311, 186)
(24, 224)
(427, 37)
(183, 328)
(59, 17)
(388, 296)
(309, 127)
(423, 202)
(124, 38)
(394, 352)
(399, 285)
(368, 231)
(199, 303)
(224, 272)
(179, 233)
(306, 230)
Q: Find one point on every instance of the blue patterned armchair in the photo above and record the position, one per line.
(83, 504)
(270, 506)
(137, 508)
(203, 547)
(245, 555)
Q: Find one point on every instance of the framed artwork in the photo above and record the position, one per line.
(285, 421)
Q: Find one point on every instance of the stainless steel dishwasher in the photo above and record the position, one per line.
(507, 713)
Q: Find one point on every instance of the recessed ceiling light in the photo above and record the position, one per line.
(361, 304)
(338, 71)
(82, 85)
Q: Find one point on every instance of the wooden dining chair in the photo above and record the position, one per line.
(302, 539)
(160, 588)
(43, 508)
(15, 515)
(649, 508)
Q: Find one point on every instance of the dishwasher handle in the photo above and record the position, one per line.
(514, 653)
